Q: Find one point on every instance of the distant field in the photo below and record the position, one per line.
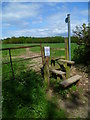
(37, 49)
(21, 66)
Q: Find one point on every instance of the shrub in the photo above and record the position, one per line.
(81, 54)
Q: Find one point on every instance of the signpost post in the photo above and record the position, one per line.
(67, 20)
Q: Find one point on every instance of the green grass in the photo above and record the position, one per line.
(37, 49)
(19, 66)
(25, 96)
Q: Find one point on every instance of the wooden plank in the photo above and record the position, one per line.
(58, 72)
(67, 61)
(70, 81)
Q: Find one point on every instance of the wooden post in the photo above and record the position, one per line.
(41, 53)
(52, 63)
(46, 70)
(67, 67)
(66, 49)
(11, 64)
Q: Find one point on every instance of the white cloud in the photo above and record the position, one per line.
(15, 15)
(20, 10)
(84, 12)
(45, 0)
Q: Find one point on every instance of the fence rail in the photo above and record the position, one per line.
(20, 47)
(28, 58)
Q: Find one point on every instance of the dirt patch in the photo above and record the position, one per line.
(35, 63)
(76, 101)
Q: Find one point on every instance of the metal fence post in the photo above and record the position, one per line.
(11, 64)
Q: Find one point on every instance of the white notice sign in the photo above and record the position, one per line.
(47, 51)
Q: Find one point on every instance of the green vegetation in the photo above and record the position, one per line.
(81, 54)
(25, 40)
(22, 39)
(25, 97)
(62, 92)
(57, 53)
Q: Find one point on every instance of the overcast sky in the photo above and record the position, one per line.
(41, 19)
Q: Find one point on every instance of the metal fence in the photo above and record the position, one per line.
(28, 58)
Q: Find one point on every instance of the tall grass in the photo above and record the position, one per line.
(25, 97)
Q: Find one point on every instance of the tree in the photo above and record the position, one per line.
(81, 54)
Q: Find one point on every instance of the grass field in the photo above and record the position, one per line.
(36, 49)
(25, 96)
(20, 66)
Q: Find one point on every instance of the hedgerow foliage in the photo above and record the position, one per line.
(23, 39)
(19, 40)
(81, 54)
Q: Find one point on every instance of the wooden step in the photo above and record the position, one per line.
(70, 81)
(67, 61)
(58, 72)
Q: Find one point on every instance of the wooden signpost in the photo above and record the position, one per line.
(46, 66)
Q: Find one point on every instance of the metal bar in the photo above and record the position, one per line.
(22, 59)
(20, 47)
(11, 64)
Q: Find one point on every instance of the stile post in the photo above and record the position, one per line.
(46, 72)
(66, 49)
(11, 64)
(67, 67)
(46, 66)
